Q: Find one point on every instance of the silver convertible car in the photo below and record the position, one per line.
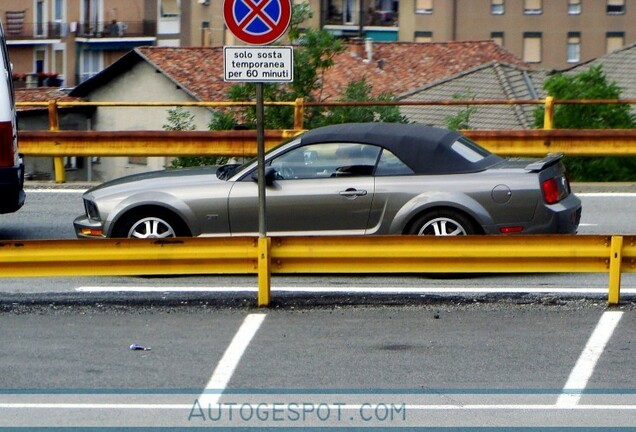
(348, 179)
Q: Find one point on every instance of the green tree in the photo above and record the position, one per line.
(360, 91)
(590, 84)
(179, 119)
(314, 53)
(461, 119)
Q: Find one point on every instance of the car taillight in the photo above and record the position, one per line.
(7, 153)
(551, 192)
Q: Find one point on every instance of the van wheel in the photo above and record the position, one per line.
(443, 223)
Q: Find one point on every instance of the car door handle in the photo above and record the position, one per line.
(352, 193)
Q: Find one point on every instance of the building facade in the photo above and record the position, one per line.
(64, 42)
(546, 33)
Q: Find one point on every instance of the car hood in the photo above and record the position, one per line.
(160, 178)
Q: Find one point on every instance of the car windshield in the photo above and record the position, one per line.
(229, 170)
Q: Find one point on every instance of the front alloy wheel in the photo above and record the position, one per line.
(151, 227)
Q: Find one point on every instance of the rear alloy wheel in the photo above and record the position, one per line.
(443, 223)
(159, 225)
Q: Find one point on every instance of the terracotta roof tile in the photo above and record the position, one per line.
(41, 94)
(395, 67)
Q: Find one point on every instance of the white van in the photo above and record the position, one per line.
(11, 164)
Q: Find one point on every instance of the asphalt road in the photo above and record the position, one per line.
(50, 210)
(322, 356)
(448, 365)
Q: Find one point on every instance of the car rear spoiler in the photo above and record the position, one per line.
(550, 159)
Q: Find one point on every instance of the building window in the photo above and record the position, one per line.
(532, 47)
(424, 6)
(59, 63)
(497, 7)
(532, 7)
(574, 47)
(497, 37)
(574, 7)
(614, 41)
(170, 8)
(39, 19)
(423, 36)
(615, 7)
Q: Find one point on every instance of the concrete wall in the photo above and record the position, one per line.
(141, 83)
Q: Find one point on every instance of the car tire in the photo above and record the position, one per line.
(155, 224)
(443, 222)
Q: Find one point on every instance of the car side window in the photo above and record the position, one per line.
(391, 165)
(326, 160)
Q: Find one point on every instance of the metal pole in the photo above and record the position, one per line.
(260, 149)
(264, 243)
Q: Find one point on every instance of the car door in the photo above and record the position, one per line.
(318, 189)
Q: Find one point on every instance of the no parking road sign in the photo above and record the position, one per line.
(257, 22)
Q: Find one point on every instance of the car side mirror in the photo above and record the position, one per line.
(270, 175)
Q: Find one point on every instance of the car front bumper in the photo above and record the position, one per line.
(87, 228)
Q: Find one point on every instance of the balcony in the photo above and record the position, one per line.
(29, 31)
(117, 29)
(380, 13)
(342, 18)
(57, 30)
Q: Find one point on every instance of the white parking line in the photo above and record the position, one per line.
(352, 289)
(228, 363)
(584, 366)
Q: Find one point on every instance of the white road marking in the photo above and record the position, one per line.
(475, 407)
(584, 367)
(350, 289)
(607, 194)
(230, 360)
(580, 194)
(31, 191)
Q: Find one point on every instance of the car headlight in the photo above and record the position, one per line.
(91, 210)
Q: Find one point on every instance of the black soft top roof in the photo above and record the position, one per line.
(425, 149)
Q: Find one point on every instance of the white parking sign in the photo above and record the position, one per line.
(259, 64)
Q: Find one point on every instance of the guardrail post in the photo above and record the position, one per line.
(616, 259)
(54, 125)
(299, 113)
(548, 115)
(264, 271)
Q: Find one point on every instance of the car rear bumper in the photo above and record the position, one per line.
(560, 218)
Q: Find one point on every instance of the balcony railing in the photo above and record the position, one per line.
(117, 29)
(381, 13)
(57, 30)
(379, 18)
(45, 30)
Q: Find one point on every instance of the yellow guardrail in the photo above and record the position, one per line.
(57, 144)
(613, 255)
(607, 142)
